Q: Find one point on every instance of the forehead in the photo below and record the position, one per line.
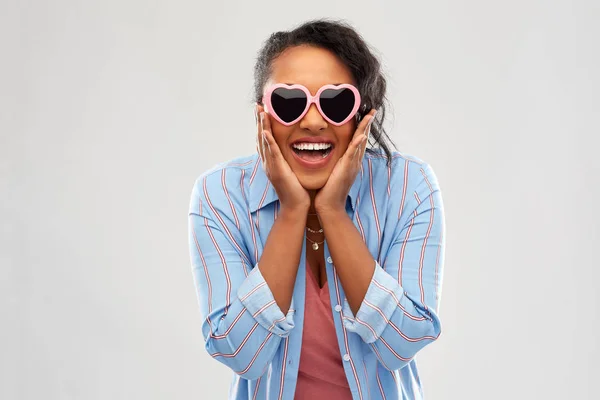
(310, 66)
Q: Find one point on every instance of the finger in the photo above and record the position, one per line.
(363, 149)
(259, 135)
(263, 123)
(256, 137)
(356, 143)
(266, 151)
(270, 140)
(257, 124)
(361, 132)
(266, 145)
(257, 110)
(266, 121)
(273, 146)
(358, 149)
(367, 134)
(365, 124)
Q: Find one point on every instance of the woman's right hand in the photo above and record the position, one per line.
(292, 195)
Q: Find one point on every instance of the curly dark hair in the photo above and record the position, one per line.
(344, 41)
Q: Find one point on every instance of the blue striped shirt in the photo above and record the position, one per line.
(398, 211)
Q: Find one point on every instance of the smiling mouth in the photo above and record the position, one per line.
(312, 155)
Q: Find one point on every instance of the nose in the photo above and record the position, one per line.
(313, 120)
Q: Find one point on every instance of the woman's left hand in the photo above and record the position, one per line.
(332, 196)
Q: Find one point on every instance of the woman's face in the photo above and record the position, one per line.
(312, 67)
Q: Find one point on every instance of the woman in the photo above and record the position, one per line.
(318, 261)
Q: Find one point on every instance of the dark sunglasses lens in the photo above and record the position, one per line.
(288, 104)
(337, 104)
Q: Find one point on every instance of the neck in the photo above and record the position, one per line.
(312, 194)
(312, 221)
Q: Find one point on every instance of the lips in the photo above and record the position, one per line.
(312, 159)
(312, 139)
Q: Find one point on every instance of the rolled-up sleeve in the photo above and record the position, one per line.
(241, 324)
(399, 313)
(255, 295)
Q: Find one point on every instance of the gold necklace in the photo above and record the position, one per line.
(315, 245)
(311, 231)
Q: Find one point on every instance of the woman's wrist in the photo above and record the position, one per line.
(330, 212)
(295, 212)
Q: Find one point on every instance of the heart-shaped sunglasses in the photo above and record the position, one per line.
(289, 103)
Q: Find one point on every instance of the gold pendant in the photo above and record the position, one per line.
(315, 246)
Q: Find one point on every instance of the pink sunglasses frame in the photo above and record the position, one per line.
(310, 100)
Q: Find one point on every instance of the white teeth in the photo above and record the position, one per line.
(311, 146)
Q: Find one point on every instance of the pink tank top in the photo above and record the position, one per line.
(320, 373)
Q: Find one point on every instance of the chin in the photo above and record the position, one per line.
(313, 182)
(311, 179)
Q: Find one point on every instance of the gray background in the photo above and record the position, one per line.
(110, 110)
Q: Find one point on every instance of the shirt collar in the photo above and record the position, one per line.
(262, 193)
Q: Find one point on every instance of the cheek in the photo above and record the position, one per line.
(344, 136)
(281, 133)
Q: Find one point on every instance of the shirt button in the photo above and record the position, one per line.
(346, 357)
(338, 308)
(329, 260)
